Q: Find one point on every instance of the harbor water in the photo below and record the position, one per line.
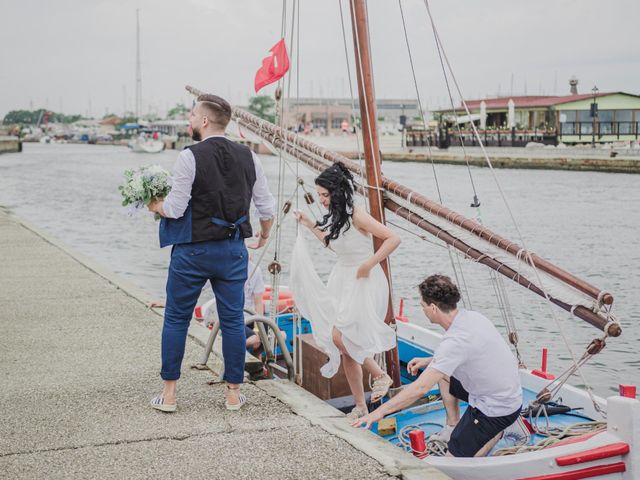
(585, 222)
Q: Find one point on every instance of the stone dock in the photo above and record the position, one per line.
(528, 159)
(80, 361)
(612, 159)
(10, 144)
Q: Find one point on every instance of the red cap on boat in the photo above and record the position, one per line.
(628, 391)
(418, 447)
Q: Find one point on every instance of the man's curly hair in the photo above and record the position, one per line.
(439, 289)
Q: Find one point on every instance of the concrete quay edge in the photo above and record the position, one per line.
(393, 460)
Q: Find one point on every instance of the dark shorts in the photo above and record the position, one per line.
(249, 331)
(475, 428)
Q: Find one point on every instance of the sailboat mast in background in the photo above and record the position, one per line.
(138, 68)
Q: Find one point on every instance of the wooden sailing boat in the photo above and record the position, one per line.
(587, 442)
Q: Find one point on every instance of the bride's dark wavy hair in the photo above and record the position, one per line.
(337, 179)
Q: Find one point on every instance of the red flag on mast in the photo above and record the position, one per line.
(273, 67)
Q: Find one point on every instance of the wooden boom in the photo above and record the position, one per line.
(319, 158)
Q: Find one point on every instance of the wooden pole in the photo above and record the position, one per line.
(372, 150)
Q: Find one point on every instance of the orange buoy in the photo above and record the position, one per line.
(285, 300)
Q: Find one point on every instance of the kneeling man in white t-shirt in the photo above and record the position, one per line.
(473, 363)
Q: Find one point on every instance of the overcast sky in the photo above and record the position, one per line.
(78, 56)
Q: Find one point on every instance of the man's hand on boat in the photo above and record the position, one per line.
(406, 397)
(418, 363)
(368, 420)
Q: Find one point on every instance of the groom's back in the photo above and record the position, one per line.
(222, 188)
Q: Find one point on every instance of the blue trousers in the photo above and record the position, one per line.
(224, 263)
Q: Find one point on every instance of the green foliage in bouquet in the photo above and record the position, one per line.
(142, 185)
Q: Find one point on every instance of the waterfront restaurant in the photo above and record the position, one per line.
(569, 119)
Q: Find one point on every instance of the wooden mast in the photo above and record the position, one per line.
(371, 149)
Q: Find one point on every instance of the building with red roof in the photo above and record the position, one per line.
(570, 117)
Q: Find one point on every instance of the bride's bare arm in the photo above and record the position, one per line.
(310, 224)
(390, 240)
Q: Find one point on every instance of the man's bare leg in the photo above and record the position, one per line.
(353, 372)
(488, 446)
(451, 403)
(253, 341)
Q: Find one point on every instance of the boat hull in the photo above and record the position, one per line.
(147, 146)
(610, 453)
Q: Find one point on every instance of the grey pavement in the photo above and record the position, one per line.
(80, 359)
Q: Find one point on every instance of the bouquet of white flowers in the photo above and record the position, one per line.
(142, 185)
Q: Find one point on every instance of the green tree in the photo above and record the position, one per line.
(28, 117)
(263, 106)
(179, 111)
(62, 118)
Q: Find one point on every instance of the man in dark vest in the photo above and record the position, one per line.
(206, 219)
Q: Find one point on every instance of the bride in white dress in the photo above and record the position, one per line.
(347, 314)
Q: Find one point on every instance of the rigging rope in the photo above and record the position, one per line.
(507, 205)
(274, 267)
(435, 447)
(553, 436)
(466, 298)
(295, 55)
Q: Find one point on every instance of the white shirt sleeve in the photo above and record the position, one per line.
(261, 196)
(449, 355)
(184, 173)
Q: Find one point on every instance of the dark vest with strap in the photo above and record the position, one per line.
(220, 195)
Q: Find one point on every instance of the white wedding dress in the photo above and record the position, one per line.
(356, 307)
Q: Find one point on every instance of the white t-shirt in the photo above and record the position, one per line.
(253, 286)
(475, 353)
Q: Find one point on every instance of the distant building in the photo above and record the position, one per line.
(108, 124)
(568, 117)
(172, 127)
(331, 115)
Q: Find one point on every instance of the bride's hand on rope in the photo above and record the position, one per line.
(302, 219)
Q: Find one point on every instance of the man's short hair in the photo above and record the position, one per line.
(216, 108)
(439, 289)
